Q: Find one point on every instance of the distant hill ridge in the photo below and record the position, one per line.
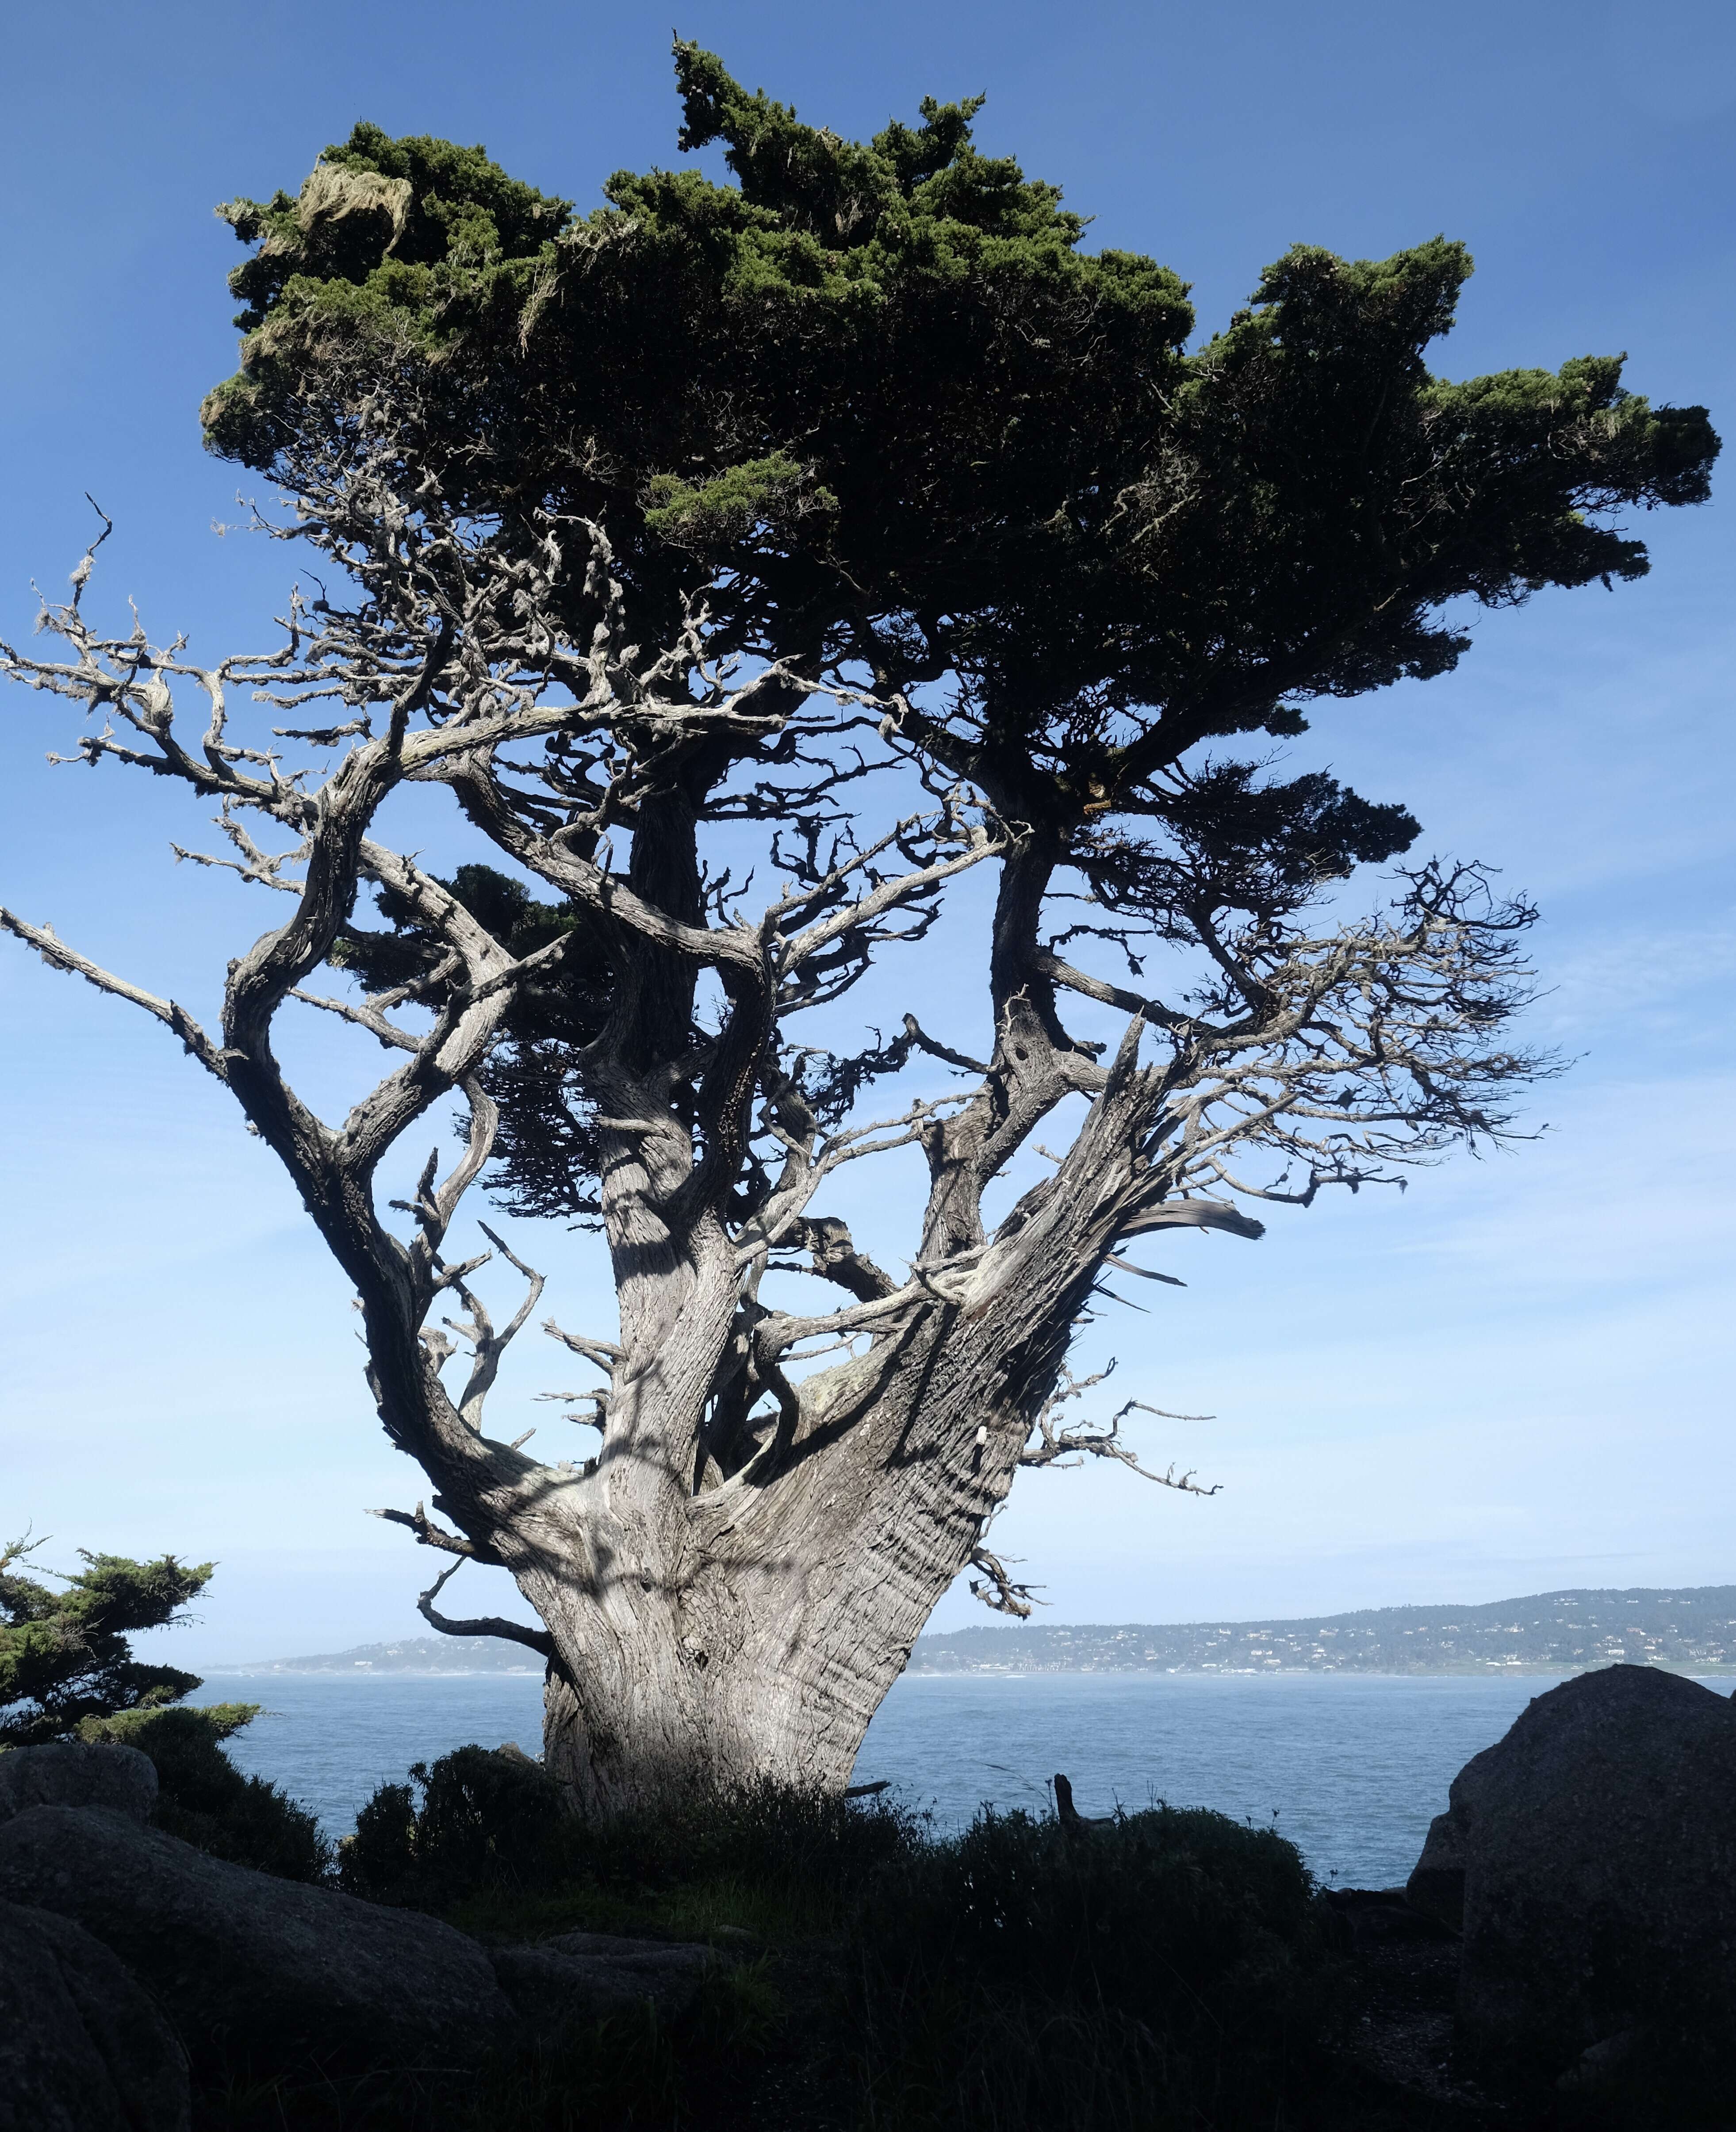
(1691, 1631)
(1688, 1631)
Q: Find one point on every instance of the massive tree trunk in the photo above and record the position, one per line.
(781, 1611)
(753, 1628)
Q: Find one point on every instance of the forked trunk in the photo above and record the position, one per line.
(793, 1602)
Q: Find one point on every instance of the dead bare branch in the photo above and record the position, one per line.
(997, 1587)
(484, 1625)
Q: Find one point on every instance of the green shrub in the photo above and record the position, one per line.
(486, 1817)
(484, 1832)
(206, 1801)
(1120, 1911)
(379, 1861)
(485, 1814)
(1167, 1969)
(792, 1837)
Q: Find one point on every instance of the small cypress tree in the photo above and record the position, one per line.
(67, 1672)
(64, 1656)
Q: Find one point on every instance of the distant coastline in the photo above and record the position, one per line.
(1683, 1630)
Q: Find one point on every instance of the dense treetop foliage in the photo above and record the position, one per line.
(884, 388)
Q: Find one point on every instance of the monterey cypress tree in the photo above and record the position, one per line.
(750, 562)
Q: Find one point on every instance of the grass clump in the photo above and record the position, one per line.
(638, 2072)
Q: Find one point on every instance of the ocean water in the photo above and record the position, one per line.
(1351, 1767)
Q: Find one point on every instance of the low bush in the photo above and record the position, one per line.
(206, 1801)
(1166, 1969)
(485, 1816)
(813, 1847)
(481, 1837)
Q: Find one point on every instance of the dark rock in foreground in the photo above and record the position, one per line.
(263, 1974)
(276, 1972)
(584, 1976)
(83, 2048)
(1595, 1847)
(73, 1773)
(1436, 1884)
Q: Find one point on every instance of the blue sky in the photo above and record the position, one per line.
(1517, 1375)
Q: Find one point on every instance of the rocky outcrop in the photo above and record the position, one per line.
(83, 2048)
(582, 1976)
(1436, 1884)
(1597, 1844)
(72, 1772)
(270, 1971)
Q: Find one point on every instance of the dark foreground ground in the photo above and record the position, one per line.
(1165, 1972)
(774, 2051)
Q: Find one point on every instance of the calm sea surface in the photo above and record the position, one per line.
(1350, 1766)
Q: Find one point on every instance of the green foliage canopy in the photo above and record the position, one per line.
(882, 391)
(67, 1672)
